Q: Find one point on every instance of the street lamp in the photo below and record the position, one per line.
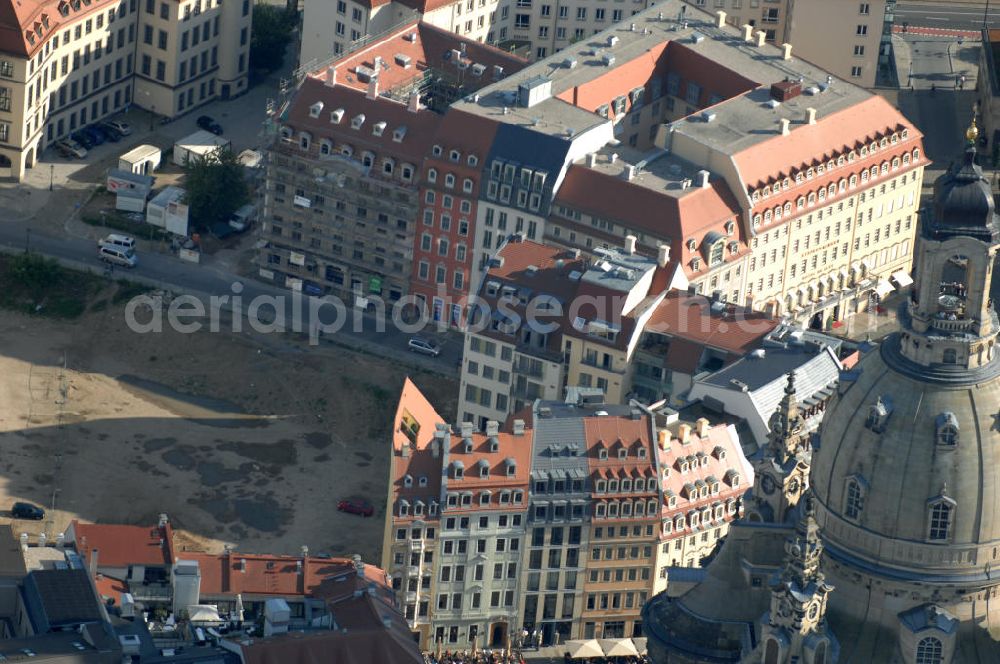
(52, 175)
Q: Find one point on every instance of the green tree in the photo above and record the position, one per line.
(215, 188)
(269, 36)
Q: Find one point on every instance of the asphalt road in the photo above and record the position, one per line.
(952, 15)
(301, 314)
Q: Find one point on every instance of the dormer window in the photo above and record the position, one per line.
(457, 470)
(407, 481)
(432, 510)
(378, 128)
(732, 478)
(947, 430)
(325, 146)
(467, 445)
(422, 480)
(305, 139)
(418, 508)
(316, 109)
(436, 150)
(599, 511)
(336, 116)
(367, 159)
(602, 454)
(626, 485)
(346, 150)
(404, 508)
(388, 166)
(472, 160)
(612, 486)
(484, 468)
(494, 444)
(600, 486)
(878, 414)
(622, 453)
(432, 175)
(357, 121)
(640, 484)
(449, 180)
(511, 467)
(398, 134)
(641, 453)
(455, 155)
(452, 500)
(484, 498)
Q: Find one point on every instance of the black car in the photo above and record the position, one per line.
(208, 124)
(110, 133)
(83, 138)
(27, 511)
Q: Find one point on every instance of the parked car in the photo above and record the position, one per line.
(208, 124)
(352, 506)
(121, 126)
(117, 240)
(242, 218)
(309, 288)
(425, 346)
(118, 256)
(67, 147)
(83, 138)
(27, 511)
(109, 132)
(95, 135)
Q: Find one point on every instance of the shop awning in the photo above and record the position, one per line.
(883, 288)
(902, 278)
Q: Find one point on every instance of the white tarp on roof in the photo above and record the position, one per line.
(204, 613)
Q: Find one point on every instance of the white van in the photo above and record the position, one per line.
(116, 240)
(118, 256)
(242, 218)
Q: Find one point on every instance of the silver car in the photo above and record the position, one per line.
(425, 346)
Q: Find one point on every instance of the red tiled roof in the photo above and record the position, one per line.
(18, 18)
(110, 588)
(673, 218)
(263, 574)
(688, 317)
(415, 410)
(420, 126)
(426, 51)
(121, 546)
(807, 143)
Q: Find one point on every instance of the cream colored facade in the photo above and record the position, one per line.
(590, 363)
(189, 54)
(90, 66)
(827, 260)
(331, 28)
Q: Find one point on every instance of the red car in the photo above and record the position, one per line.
(356, 507)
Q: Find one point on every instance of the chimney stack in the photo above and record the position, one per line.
(518, 427)
(701, 425)
(785, 126)
(413, 105)
(592, 159)
(663, 255)
(60, 540)
(663, 439)
(492, 428)
(630, 241)
(377, 64)
(93, 562)
(747, 32)
(786, 50)
(358, 565)
(720, 19)
(436, 448)
(331, 76)
(810, 116)
(761, 38)
(163, 521)
(684, 433)
(305, 551)
(373, 88)
(243, 565)
(24, 541)
(614, 157)
(629, 172)
(466, 429)
(42, 539)
(703, 179)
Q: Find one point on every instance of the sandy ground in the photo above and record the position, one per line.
(248, 441)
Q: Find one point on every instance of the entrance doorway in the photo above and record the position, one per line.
(498, 635)
(816, 323)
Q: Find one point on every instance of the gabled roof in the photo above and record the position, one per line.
(264, 574)
(415, 414)
(732, 328)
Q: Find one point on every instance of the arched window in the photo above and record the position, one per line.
(718, 252)
(950, 356)
(947, 429)
(929, 651)
(854, 501)
(939, 520)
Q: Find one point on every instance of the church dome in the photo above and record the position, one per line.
(963, 202)
(905, 474)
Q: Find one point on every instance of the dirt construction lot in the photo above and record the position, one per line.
(248, 441)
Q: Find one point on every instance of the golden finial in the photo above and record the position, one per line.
(972, 133)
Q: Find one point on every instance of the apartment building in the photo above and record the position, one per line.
(510, 361)
(444, 264)
(625, 522)
(344, 199)
(559, 514)
(68, 64)
(409, 543)
(703, 475)
(850, 39)
(455, 526)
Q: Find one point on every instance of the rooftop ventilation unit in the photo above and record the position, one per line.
(785, 90)
(534, 91)
(364, 74)
(403, 60)
(411, 37)
(697, 37)
(478, 69)
(708, 116)
(772, 103)
(609, 60)
(811, 90)
(612, 41)
(569, 63)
